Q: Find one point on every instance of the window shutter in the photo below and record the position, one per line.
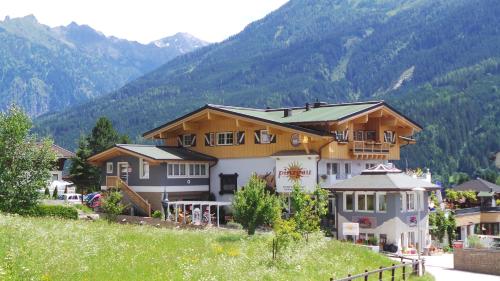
(179, 140)
(257, 136)
(241, 137)
(207, 139)
(346, 135)
(273, 139)
(393, 137)
(193, 140)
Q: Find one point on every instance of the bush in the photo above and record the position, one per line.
(112, 205)
(473, 241)
(157, 214)
(234, 225)
(55, 211)
(255, 206)
(285, 232)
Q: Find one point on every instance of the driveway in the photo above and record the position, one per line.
(441, 266)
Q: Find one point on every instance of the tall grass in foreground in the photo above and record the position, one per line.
(56, 249)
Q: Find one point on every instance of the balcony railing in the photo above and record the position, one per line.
(370, 148)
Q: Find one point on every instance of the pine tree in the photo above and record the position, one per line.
(103, 136)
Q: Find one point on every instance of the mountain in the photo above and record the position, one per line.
(434, 59)
(49, 69)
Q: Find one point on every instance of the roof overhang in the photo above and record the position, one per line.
(207, 109)
(115, 151)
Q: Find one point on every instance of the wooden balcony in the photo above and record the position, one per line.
(370, 150)
(135, 198)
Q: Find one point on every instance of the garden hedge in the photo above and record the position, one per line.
(59, 211)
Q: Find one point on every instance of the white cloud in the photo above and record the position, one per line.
(147, 20)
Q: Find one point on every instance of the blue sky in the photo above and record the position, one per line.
(147, 20)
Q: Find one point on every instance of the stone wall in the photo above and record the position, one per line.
(477, 260)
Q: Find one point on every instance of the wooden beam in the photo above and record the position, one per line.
(306, 147)
(189, 126)
(237, 123)
(209, 116)
(376, 114)
(361, 120)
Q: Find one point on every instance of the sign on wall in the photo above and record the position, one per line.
(365, 222)
(291, 169)
(412, 221)
(350, 228)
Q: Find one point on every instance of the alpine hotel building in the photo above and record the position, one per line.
(212, 151)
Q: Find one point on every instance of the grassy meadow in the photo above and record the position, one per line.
(57, 249)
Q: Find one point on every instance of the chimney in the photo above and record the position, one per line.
(287, 112)
(307, 106)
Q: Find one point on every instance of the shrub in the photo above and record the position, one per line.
(473, 241)
(255, 206)
(285, 232)
(54, 194)
(308, 209)
(59, 211)
(234, 225)
(157, 214)
(373, 241)
(112, 205)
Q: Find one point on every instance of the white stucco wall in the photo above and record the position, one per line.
(244, 167)
(357, 166)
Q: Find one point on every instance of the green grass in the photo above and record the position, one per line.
(56, 249)
(83, 208)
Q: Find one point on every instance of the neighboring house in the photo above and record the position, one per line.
(316, 144)
(484, 219)
(384, 202)
(56, 179)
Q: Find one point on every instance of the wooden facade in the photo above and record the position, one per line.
(212, 121)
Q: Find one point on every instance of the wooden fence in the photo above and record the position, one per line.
(390, 272)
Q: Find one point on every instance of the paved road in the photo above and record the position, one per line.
(441, 266)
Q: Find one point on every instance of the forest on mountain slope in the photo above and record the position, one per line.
(436, 61)
(45, 69)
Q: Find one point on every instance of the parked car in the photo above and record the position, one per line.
(73, 198)
(95, 202)
(88, 197)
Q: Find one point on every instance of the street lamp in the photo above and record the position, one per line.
(165, 203)
(417, 190)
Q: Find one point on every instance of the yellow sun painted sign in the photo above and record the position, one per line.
(296, 169)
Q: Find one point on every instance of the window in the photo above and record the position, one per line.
(347, 168)
(198, 170)
(143, 169)
(402, 201)
(411, 239)
(370, 135)
(109, 167)
(348, 202)
(359, 136)
(369, 165)
(177, 170)
(389, 136)
(383, 239)
(228, 183)
(55, 177)
(332, 169)
(187, 140)
(365, 202)
(265, 137)
(381, 202)
(225, 138)
(410, 201)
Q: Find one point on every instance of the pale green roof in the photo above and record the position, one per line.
(300, 115)
(165, 152)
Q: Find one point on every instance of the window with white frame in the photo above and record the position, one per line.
(347, 168)
(225, 138)
(402, 201)
(348, 201)
(332, 168)
(187, 140)
(365, 202)
(369, 165)
(177, 170)
(410, 201)
(381, 202)
(109, 167)
(198, 170)
(143, 169)
(265, 137)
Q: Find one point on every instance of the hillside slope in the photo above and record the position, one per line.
(47, 69)
(328, 50)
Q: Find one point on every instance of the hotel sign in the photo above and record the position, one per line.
(350, 228)
(296, 169)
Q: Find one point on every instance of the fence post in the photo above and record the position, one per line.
(348, 276)
(404, 273)
(380, 274)
(366, 276)
(392, 272)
